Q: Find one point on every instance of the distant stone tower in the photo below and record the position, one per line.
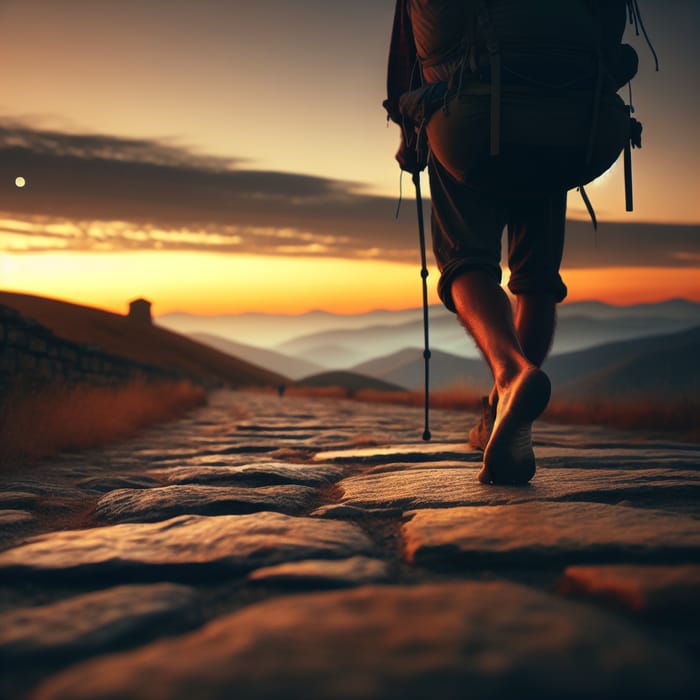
(140, 311)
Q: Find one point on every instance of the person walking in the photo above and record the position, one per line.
(509, 104)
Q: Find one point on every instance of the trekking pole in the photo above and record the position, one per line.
(424, 277)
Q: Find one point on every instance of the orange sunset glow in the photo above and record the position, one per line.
(218, 166)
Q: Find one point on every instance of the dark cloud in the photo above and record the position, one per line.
(101, 193)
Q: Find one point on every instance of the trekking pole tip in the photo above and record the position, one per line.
(426, 435)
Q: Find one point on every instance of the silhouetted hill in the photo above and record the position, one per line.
(271, 330)
(338, 341)
(662, 366)
(406, 368)
(678, 309)
(350, 381)
(138, 341)
(292, 367)
(362, 344)
(345, 349)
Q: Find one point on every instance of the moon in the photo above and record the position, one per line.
(20, 181)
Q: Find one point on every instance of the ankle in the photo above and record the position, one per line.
(509, 375)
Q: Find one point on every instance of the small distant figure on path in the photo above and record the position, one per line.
(509, 104)
(281, 388)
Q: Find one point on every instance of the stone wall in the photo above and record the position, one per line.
(31, 355)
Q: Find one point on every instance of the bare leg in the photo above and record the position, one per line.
(535, 321)
(523, 390)
(485, 311)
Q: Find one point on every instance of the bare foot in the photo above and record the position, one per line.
(508, 457)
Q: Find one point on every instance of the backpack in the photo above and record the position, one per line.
(547, 74)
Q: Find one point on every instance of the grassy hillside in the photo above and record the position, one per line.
(138, 341)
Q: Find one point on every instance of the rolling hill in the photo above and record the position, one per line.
(660, 366)
(271, 330)
(345, 349)
(292, 367)
(336, 341)
(406, 368)
(142, 342)
(663, 366)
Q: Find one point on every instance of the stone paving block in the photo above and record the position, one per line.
(160, 454)
(15, 516)
(406, 486)
(17, 499)
(322, 572)
(244, 449)
(150, 505)
(531, 533)
(432, 464)
(680, 457)
(653, 590)
(103, 484)
(255, 474)
(41, 486)
(287, 427)
(340, 511)
(215, 460)
(418, 452)
(449, 641)
(185, 546)
(282, 433)
(95, 622)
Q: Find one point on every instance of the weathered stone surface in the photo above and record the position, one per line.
(286, 427)
(103, 484)
(419, 452)
(94, 622)
(149, 505)
(405, 487)
(185, 546)
(17, 499)
(343, 512)
(161, 454)
(322, 572)
(453, 464)
(202, 461)
(454, 640)
(531, 532)
(657, 590)
(244, 449)
(679, 457)
(256, 474)
(13, 516)
(581, 454)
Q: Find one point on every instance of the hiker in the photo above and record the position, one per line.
(509, 103)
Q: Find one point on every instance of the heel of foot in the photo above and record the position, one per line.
(532, 397)
(509, 458)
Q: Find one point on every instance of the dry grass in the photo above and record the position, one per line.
(43, 422)
(678, 418)
(324, 392)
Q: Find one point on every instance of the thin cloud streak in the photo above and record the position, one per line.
(102, 193)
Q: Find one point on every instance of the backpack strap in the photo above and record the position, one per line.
(494, 50)
(597, 96)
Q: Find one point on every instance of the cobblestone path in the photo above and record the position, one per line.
(317, 549)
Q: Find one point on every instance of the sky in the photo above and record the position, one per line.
(222, 156)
